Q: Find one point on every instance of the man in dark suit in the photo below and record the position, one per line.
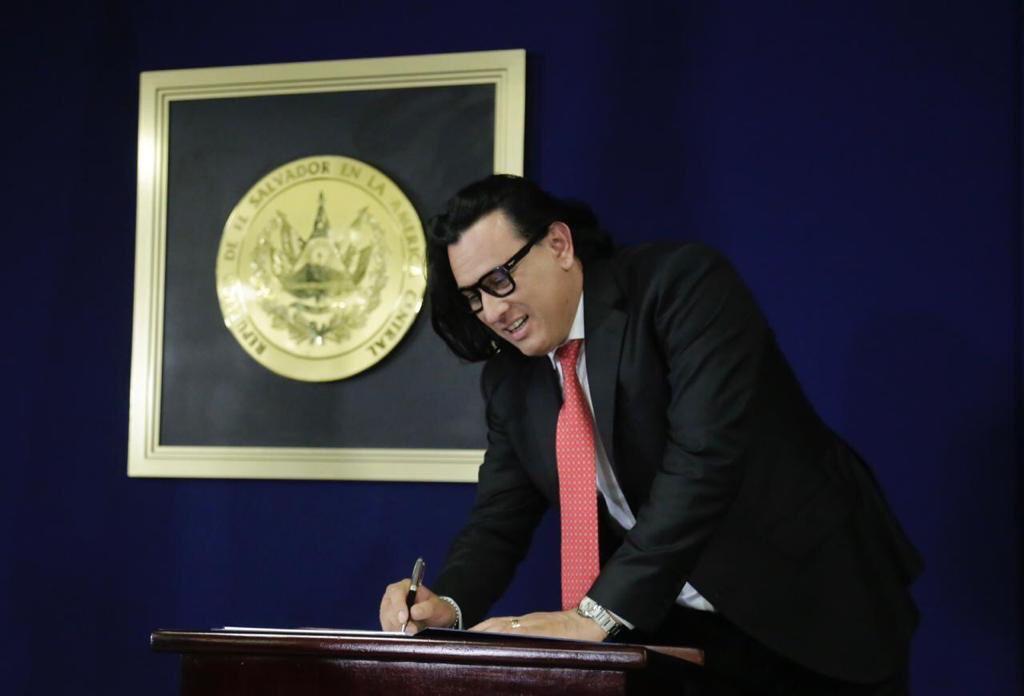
(722, 512)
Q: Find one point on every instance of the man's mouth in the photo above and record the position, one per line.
(516, 325)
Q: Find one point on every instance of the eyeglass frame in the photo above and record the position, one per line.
(505, 269)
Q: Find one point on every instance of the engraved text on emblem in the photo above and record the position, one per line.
(321, 269)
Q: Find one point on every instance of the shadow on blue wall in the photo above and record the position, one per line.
(953, 486)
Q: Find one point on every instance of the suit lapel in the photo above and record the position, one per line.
(604, 326)
(543, 403)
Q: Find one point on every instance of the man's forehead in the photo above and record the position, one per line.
(487, 243)
(493, 229)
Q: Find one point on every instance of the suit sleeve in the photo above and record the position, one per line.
(711, 336)
(506, 511)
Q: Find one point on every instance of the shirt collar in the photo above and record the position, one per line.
(576, 331)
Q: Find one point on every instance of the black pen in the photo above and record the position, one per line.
(410, 597)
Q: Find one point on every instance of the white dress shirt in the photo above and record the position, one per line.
(606, 482)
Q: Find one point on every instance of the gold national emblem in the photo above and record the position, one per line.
(321, 268)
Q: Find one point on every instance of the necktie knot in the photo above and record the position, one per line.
(568, 353)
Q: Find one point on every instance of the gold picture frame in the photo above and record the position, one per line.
(148, 455)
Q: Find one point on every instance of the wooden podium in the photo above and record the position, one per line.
(316, 664)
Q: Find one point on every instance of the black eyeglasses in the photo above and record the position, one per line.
(498, 282)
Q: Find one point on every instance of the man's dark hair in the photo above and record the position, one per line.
(530, 210)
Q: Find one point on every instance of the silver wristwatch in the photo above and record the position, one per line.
(598, 614)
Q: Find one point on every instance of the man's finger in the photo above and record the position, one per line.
(422, 611)
(395, 593)
(400, 587)
(392, 605)
(492, 625)
(433, 613)
(391, 618)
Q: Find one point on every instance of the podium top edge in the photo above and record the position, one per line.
(523, 651)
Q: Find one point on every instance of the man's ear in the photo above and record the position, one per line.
(560, 242)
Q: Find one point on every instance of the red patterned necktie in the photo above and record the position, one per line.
(577, 482)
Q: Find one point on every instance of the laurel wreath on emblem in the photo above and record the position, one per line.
(321, 288)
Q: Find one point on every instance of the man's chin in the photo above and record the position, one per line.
(531, 348)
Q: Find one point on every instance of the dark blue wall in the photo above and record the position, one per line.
(860, 162)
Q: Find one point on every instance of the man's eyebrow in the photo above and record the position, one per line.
(475, 286)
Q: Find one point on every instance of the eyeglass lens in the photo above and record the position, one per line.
(497, 283)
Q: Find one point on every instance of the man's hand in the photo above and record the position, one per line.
(552, 624)
(428, 611)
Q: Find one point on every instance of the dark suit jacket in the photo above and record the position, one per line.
(736, 484)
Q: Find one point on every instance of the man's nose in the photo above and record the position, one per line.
(493, 307)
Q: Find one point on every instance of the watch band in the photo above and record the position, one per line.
(602, 617)
(458, 612)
